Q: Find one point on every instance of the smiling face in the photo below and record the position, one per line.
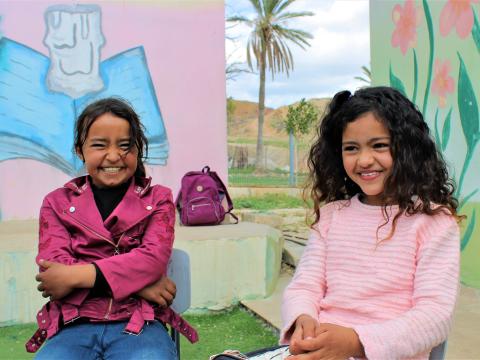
(108, 158)
(366, 155)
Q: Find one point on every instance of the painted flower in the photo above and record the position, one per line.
(406, 20)
(458, 14)
(443, 84)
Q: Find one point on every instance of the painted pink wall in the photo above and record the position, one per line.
(184, 45)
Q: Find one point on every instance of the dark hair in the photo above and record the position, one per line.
(419, 171)
(122, 109)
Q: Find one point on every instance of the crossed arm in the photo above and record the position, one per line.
(62, 273)
(58, 280)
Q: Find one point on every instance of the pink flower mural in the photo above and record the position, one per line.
(406, 20)
(443, 84)
(457, 14)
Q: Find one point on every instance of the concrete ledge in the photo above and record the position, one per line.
(229, 263)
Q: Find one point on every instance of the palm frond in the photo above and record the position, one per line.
(292, 15)
(238, 18)
(298, 37)
(281, 5)
(270, 38)
(366, 71)
(360, 78)
(257, 4)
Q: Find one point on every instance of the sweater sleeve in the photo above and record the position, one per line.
(435, 290)
(307, 288)
(130, 272)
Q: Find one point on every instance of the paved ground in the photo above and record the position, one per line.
(464, 339)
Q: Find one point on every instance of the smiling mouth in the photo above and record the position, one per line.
(370, 175)
(111, 169)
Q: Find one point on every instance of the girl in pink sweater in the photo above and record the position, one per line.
(379, 276)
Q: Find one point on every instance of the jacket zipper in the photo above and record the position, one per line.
(115, 252)
(109, 309)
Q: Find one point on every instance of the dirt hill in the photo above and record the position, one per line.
(245, 117)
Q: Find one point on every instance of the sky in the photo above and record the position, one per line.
(339, 48)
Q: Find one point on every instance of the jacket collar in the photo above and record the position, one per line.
(130, 211)
(80, 184)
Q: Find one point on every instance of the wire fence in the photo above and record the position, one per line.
(276, 173)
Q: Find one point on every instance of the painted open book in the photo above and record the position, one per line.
(36, 123)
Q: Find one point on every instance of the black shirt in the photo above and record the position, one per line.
(106, 200)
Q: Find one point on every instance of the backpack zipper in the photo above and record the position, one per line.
(199, 205)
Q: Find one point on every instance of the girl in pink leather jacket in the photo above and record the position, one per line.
(104, 244)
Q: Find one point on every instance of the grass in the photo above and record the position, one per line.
(232, 329)
(303, 143)
(268, 202)
(270, 178)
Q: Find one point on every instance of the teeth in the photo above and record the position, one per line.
(369, 174)
(111, 169)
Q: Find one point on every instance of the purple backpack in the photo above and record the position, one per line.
(203, 199)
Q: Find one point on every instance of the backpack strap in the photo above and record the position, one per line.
(232, 215)
(222, 186)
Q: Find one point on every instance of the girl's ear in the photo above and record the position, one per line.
(79, 154)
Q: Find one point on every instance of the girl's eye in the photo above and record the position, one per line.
(349, 148)
(97, 145)
(124, 146)
(381, 145)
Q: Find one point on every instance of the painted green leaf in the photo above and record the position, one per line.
(467, 106)
(431, 42)
(396, 83)
(476, 30)
(465, 199)
(435, 127)
(468, 232)
(415, 77)
(446, 130)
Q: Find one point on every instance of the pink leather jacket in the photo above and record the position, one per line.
(131, 247)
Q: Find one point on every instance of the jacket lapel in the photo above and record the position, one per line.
(83, 210)
(129, 212)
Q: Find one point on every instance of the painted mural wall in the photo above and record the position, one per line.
(165, 57)
(430, 50)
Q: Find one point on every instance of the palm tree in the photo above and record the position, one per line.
(367, 76)
(268, 43)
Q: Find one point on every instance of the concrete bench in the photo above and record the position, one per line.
(229, 263)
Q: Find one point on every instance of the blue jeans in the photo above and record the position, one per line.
(105, 341)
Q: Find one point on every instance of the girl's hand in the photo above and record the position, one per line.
(332, 342)
(161, 292)
(58, 280)
(306, 327)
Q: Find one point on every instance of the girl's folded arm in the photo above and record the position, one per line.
(54, 242)
(130, 272)
(54, 246)
(436, 283)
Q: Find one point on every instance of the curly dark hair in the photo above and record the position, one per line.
(121, 109)
(419, 171)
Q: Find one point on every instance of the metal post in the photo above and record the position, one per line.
(291, 177)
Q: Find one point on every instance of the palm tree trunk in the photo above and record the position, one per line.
(259, 160)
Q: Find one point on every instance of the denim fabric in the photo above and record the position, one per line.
(108, 341)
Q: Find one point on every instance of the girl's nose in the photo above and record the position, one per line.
(113, 155)
(365, 159)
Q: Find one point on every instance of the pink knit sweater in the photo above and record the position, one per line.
(398, 296)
